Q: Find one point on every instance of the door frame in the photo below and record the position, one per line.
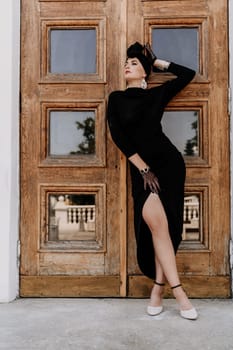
(9, 274)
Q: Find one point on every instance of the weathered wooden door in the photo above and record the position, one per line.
(70, 171)
(76, 226)
(193, 33)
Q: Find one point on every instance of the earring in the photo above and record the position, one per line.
(143, 84)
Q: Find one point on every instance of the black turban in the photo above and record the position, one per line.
(137, 50)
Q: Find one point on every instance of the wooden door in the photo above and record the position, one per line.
(77, 234)
(71, 227)
(193, 33)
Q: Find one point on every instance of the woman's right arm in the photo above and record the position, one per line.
(138, 162)
(129, 150)
(118, 135)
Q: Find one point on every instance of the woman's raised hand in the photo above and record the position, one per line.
(150, 54)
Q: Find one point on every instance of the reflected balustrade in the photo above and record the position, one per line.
(191, 226)
(72, 222)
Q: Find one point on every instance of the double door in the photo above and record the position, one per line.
(76, 222)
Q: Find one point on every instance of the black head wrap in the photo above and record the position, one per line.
(137, 50)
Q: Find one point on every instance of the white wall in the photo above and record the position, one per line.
(231, 107)
(9, 148)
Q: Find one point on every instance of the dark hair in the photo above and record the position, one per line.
(137, 50)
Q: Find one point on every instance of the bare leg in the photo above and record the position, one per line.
(155, 217)
(157, 290)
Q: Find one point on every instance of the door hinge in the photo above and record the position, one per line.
(18, 253)
(229, 101)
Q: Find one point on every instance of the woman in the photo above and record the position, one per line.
(157, 170)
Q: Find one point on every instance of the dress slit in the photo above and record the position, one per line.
(172, 199)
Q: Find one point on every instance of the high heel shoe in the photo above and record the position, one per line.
(155, 310)
(190, 314)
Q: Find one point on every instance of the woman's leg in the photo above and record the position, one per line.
(157, 290)
(155, 217)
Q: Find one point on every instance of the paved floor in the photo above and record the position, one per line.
(113, 324)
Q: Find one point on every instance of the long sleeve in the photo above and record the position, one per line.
(172, 87)
(118, 135)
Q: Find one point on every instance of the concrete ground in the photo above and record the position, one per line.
(113, 324)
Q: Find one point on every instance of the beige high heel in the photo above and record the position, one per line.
(155, 310)
(190, 314)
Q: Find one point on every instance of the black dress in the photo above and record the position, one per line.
(134, 118)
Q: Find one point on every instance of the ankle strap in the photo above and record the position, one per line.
(178, 285)
(159, 284)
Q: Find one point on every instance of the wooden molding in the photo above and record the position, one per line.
(99, 242)
(196, 286)
(69, 286)
(99, 24)
(201, 23)
(98, 159)
(182, 103)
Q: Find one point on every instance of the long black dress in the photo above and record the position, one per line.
(134, 118)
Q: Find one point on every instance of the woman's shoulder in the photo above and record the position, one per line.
(116, 94)
(133, 93)
(155, 90)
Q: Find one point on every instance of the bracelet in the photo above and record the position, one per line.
(145, 170)
(161, 65)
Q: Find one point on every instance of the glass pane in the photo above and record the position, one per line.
(71, 217)
(73, 51)
(180, 45)
(191, 228)
(72, 132)
(182, 129)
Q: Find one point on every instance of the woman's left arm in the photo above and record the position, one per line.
(183, 77)
(184, 74)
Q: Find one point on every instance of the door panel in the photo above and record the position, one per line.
(70, 169)
(186, 33)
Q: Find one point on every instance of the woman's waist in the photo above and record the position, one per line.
(150, 138)
(158, 146)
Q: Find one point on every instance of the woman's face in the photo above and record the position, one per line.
(134, 70)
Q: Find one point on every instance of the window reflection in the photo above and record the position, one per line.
(87, 145)
(180, 45)
(182, 128)
(72, 217)
(72, 132)
(191, 227)
(73, 51)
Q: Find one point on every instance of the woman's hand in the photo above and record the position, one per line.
(150, 54)
(157, 64)
(148, 176)
(150, 180)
